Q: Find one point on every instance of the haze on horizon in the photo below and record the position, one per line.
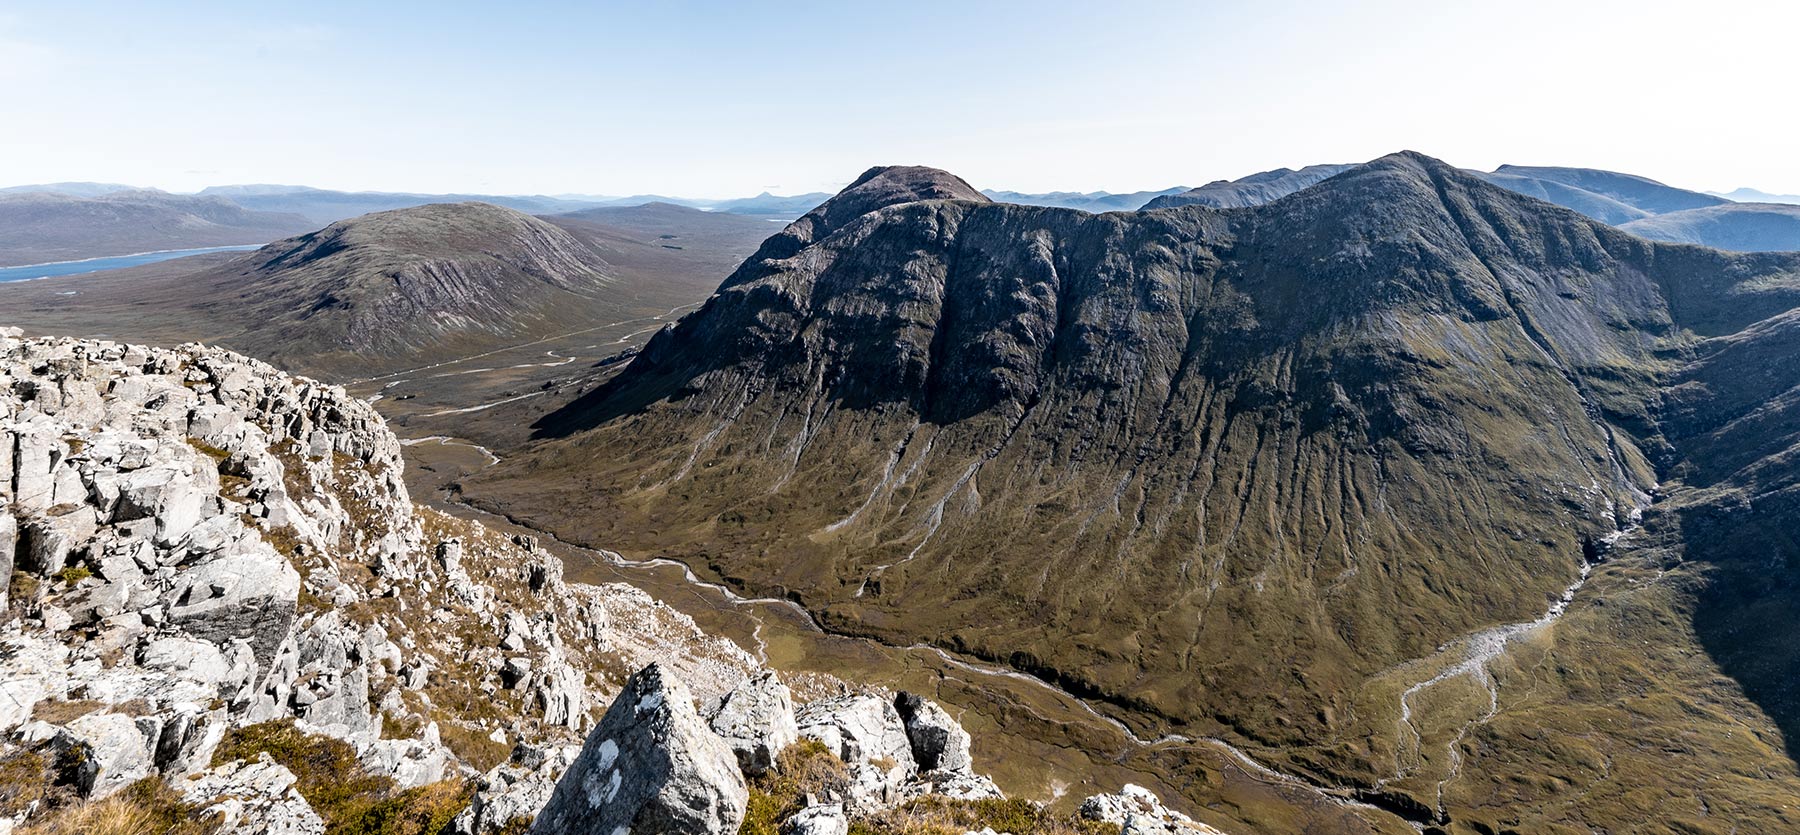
(712, 99)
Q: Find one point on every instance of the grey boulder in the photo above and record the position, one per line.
(938, 741)
(757, 720)
(651, 767)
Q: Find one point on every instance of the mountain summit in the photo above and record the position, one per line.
(1303, 475)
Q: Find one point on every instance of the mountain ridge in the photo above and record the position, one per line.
(1178, 461)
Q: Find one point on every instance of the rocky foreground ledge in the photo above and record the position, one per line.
(225, 615)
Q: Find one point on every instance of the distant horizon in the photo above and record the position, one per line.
(718, 198)
(791, 98)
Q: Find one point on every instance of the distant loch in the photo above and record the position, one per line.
(28, 272)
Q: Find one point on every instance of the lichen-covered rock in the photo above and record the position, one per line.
(1138, 811)
(865, 731)
(110, 752)
(515, 790)
(822, 819)
(938, 741)
(651, 767)
(253, 798)
(757, 720)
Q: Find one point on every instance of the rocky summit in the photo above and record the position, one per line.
(1393, 483)
(225, 615)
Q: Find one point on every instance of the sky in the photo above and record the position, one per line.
(719, 99)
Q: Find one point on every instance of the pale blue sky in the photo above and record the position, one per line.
(721, 99)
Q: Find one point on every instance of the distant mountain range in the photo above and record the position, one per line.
(42, 226)
(1750, 195)
(1092, 201)
(1253, 190)
(1637, 204)
(75, 220)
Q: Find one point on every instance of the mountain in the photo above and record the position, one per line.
(70, 189)
(322, 206)
(1253, 190)
(1750, 195)
(1597, 206)
(1092, 201)
(1406, 485)
(770, 204)
(401, 286)
(1642, 193)
(672, 226)
(1744, 227)
(38, 227)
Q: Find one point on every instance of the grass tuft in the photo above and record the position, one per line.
(350, 800)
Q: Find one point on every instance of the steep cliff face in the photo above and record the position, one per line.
(392, 287)
(1241, 472)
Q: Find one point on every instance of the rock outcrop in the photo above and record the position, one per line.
(204, 544)
(650, 766)
(757, 720)
(1138, 811)
(210, 551)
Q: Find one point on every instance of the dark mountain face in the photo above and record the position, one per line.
(393, 287)
(1253, 190)
(36, 227)
(1312, 475)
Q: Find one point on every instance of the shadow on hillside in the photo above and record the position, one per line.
(1748, 615)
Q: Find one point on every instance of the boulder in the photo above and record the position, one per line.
(252, 798)
(169, 493)
(38, 448)
(187, 739)
(114, 753)
(650, 767)
(938, 741)
(757, 720)
(861, 728)
(249, 593)
(514, 790)
(865, 731)
(1137, 811)
(823, 819)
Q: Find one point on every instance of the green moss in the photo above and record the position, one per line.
(73, 574)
